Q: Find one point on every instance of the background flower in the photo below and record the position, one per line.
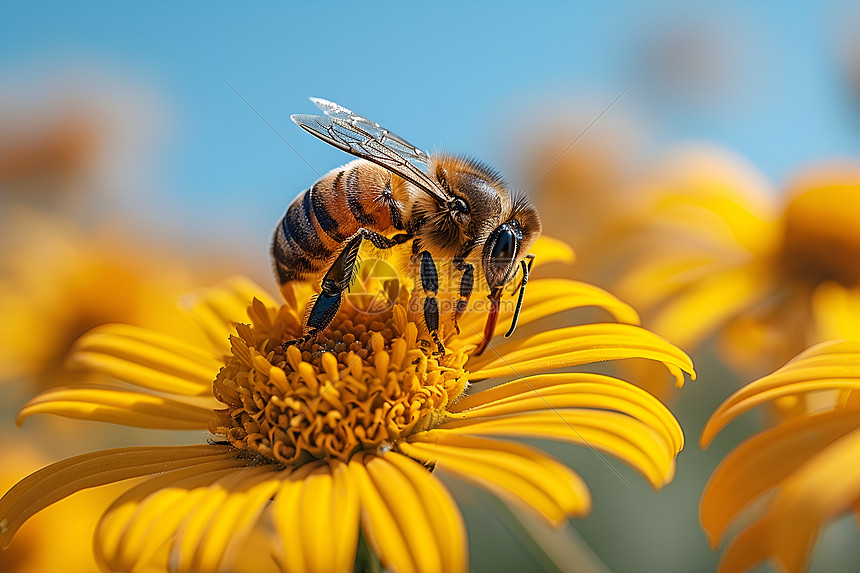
(718, 255)
(786, 483)
(60, 281)
(76, 140)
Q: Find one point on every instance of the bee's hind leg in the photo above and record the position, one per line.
(324, 306)
(430, 285)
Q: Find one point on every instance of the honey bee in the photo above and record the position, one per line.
(450, 208)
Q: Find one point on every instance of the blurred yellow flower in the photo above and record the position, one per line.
(580, 190)
(787, 482)
(720, 254)
(57, 282)
(342, 435)
(586, 194)
(73, 134)
(57, 156)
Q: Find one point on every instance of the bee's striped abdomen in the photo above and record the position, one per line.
(326, 206)
(297, 248)
(323, 217)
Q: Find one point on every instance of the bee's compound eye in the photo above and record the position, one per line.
(503, 250)
(499, 254)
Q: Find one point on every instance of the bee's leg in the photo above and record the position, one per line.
(381, 241)
(467, 282)
(325, 305)
(430, 285)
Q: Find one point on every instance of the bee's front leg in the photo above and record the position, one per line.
(324, 306)
(430, 285)
(467, 283)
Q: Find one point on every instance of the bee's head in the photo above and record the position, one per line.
(483, 217)
(508, 243)
(507, 246)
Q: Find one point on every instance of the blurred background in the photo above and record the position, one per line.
(139, 159)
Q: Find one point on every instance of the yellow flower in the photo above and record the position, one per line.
(785, 483)
(719, 254)
(345, 434)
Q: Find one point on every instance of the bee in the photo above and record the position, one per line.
(450, 208)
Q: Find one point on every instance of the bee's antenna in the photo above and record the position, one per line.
(526, 267)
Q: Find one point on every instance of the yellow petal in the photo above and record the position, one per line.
(193, 527)
(617, 434)
(441, 511)
(344, 517)
(721, 185)
(576, 345)
(826, 366)
(696, 312)
(720, 219)
(288, 521)
(329, 508)
(118, 406)
(546, 297)
(378, 522)
(130, 353)
(574, 390)
(215, 309)
(762, 462)
(144, 376)
(59, 480)
(127, 338)
(406, 508)
(144, 520)
(315, 506)
(146, 359)
(512, 471)
(261, 552)
(549, 250)
(825, 486)
(649, 283)
(248, 492)
(747, 550)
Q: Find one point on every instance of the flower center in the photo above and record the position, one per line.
(364, 382)
(822, 234)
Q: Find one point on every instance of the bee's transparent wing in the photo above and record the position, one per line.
(384, 136)
(368, 140)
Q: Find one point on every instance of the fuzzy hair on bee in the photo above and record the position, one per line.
(451, 208)
(473, 183)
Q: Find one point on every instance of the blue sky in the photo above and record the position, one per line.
(445, 76)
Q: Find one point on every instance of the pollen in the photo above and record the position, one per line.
(364, 384)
